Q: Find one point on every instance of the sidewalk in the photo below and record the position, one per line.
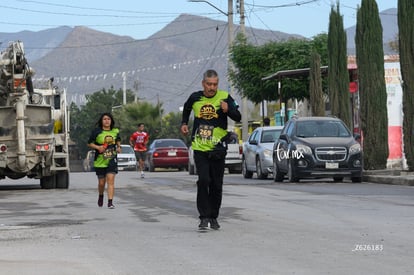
(396, 177)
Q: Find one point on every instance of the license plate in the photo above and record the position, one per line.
(172, 153)
(331, 165)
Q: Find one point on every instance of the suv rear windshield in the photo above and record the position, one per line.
(321, 128)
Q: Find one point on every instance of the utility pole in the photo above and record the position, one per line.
(230, 40)
(136, 87)
(230, 34)
(245, 129)
(159, 109)
(230, 30)
(124, 88)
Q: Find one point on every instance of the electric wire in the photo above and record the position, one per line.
(283, 5)
(121, 43)
(203, 68)
(95, 9)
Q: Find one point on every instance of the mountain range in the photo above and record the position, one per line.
(166, 67)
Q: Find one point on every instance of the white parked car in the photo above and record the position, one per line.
(127, 159)
(233, 161)
(88, 161)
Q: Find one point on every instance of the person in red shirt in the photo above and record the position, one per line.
(138, 141)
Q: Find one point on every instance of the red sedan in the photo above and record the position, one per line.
(167, 153)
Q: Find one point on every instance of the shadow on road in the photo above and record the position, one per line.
(17, 186)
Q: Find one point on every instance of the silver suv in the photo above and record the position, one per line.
(316, 147)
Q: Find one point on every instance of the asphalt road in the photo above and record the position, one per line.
(312, 227)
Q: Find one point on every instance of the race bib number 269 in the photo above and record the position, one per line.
(206, 131)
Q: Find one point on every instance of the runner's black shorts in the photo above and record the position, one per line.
(102, 171)
(140, 155)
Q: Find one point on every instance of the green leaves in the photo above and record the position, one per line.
(252, 63)
(373, 94)
(127, 117)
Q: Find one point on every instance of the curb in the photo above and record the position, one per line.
(389, 179)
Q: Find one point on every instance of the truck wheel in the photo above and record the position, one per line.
(48, 182)
(62, 180)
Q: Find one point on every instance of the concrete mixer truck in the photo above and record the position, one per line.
(34, 124)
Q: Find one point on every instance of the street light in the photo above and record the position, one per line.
(223, 12)
(229, 15)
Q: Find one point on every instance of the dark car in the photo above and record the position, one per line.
(316, 147)
(167, 153)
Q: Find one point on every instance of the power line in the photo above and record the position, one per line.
(104, 76)
(300, 3)
(121, 42)
(88, 25)
(93, 25)
(81, 15)
(202, 69)
(95, 9)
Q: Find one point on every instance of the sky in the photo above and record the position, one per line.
(140, 19)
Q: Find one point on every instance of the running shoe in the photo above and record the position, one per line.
(100, 200)
(214, 224)
(203, 224)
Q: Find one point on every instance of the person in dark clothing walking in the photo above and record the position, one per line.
(211, 108)
(266, 121)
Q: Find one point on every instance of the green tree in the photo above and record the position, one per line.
(319, 44)
(131, 114)
(315, 87)
(338, 77)
(406, 49)
(127, 117)
(252, 63)
(84, 119)
(373, 95)
(249, 70)
(78, 131)
(171, 124)
(393, 44)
